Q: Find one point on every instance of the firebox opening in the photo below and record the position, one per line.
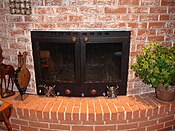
(80, 63)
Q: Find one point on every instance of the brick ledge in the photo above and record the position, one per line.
(139, 112)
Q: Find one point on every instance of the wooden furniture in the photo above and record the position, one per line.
(5, 113)
(6, 70)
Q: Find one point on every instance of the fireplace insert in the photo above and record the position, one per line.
(80, 63)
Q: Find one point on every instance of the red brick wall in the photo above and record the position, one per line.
(148, 20)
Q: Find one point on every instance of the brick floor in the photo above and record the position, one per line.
(132, 113)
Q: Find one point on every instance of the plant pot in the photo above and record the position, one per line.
(165, 94)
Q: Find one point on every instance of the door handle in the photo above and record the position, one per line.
(86, 39)
(73, 39)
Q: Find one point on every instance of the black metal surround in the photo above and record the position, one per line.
(80, 62)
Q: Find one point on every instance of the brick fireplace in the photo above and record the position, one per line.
(148, 21)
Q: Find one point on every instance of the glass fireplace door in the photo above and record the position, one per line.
(103, 61)
(57, 62)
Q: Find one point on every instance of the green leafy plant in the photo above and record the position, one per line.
(156, 65)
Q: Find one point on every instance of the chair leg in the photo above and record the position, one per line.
(6, 121)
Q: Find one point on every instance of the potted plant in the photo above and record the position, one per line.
(156, 66)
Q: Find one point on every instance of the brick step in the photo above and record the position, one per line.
(139, 112)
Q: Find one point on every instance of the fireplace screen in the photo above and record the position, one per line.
(80, 63)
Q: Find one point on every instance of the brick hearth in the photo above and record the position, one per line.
(132, 113)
